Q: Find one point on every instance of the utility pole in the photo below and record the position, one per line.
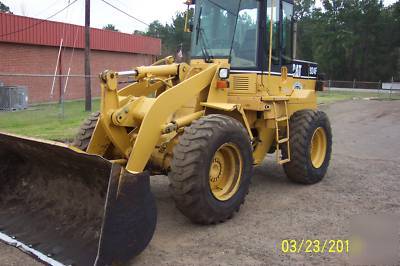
(88, 85)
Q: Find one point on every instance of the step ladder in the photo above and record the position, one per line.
(282, 140)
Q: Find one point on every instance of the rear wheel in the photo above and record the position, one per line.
(211, 169)
(82, 139)
(311, 147)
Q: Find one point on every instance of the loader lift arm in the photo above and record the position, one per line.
(156, 114)
(205, 124)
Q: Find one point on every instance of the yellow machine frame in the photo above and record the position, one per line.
(144, 129)
(235, 118)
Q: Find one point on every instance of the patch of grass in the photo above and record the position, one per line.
(45, 120)
(326, 97)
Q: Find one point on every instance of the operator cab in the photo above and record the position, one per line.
(240, 31)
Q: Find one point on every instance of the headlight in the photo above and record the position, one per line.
(223, 73)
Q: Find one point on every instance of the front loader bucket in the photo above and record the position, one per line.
(129, 219)
(55, 198)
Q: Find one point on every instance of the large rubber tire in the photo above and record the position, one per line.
(190, 169)
(82, 139)
(303, 125)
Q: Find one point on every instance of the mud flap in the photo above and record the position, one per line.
(130, 217)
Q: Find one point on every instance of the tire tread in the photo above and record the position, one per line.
(301, 124)
(184, 179)
(82, 139)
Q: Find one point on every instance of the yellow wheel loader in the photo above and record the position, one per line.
(205, 124)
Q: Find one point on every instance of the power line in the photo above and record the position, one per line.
(47, 8)
(122, 3)
(39, 22)
(129, 15)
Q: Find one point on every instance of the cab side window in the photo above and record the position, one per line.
(245, 43)
(273, 11)
(287, 33)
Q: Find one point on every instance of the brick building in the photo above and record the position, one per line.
(31, 46)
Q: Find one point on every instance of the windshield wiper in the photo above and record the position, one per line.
(200, 34)
(204, 47)
(198, 26)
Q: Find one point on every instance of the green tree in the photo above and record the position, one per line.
(4, 8)
(303, 15)
(172, 35)
(139, 32)
(110, 27)
(303, 8)
(351, 39)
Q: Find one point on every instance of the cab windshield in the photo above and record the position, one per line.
(226, 29)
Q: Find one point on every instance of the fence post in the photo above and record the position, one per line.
(329, 85)
(380, 89)
(10, 100)
(354, 83)
(391, 88)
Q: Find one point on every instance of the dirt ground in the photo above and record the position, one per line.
(363, 179)
(10, 256)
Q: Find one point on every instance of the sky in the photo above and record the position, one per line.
(102, 14)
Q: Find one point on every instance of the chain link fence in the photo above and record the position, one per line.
(362, 85)
(389, 89)
(50, 88)
(56, 105)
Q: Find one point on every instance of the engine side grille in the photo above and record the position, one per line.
(241, 83)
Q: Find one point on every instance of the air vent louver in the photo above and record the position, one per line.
(241, 83)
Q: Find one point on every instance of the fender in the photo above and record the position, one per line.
(232, 108)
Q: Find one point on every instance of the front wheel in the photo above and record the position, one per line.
(310, 146)
(211, 169)
(85, 133)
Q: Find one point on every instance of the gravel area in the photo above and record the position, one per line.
(363, 179)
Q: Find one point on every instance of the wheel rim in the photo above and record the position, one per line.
(225, 172)
(318, 147)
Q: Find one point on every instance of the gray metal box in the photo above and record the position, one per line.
(13, 98)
